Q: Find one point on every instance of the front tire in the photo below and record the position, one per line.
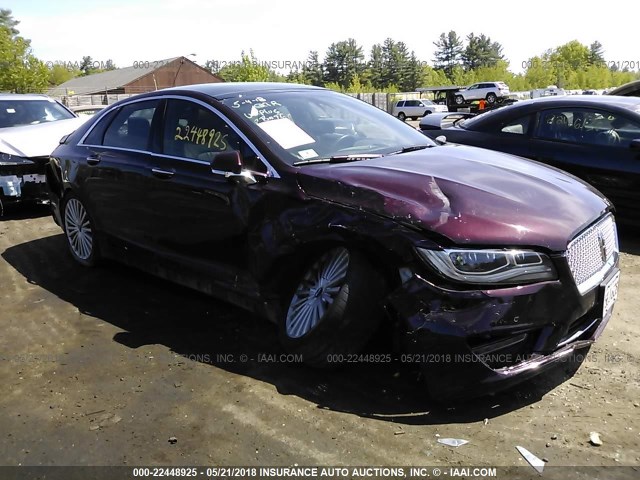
(459, 99)
(335, 308)
(80, 232)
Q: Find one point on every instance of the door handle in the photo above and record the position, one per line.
(160, 173)
(93, 160)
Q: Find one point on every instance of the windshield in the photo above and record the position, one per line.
(320, 124)
(14, 113)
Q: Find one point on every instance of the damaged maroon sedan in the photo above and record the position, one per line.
(329, 216)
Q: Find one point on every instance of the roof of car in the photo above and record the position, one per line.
(230, 89)
(626, 89)
(585, 100)
(23, 96)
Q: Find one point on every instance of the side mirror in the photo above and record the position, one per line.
(230, 165)
(227, 162)
(635, 144)
(441, 139)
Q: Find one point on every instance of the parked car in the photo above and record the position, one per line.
(489, 91)
(19, 109)
(631, 89)
(550, 91)
(414, 109)
(596, 138)
(328, 216)
(30, 128)
(87, 109)
(439, 121)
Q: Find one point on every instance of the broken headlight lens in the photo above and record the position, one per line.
(506, 267)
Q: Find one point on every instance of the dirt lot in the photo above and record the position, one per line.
(103, 366)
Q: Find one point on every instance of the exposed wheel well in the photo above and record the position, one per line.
(283, 276)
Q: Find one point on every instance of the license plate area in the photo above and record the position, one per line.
(610, 295)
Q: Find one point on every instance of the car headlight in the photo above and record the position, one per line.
(505, 267)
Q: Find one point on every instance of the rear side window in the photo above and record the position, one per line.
(131, 128)
(518, 127)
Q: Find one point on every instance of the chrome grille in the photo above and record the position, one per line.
(592, 253)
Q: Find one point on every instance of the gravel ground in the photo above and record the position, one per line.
(103, 366)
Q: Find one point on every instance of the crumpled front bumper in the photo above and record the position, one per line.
(20, 182)
(476, 342)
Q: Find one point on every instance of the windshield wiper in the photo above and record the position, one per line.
(411, 148)
(339, 159)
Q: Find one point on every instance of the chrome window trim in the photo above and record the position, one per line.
(271, 171)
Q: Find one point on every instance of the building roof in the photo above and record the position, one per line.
(109, 80)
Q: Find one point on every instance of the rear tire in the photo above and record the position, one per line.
(334, 310)
(459, 99)
(402, 116)
(491, 98)
(80, 231)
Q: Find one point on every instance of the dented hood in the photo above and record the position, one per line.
(37, 140)
(469, 195)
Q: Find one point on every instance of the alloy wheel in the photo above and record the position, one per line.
(316, 292)
(78, 229)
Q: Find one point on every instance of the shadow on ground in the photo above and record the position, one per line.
(629, 238)
(23, 212)
(153, 311)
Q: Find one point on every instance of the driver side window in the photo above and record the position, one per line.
(588, 126)
(193, 131)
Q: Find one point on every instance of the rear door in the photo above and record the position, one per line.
(118, 170)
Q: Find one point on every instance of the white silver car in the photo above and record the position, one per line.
(416, 108)
(489, 91)
(30, 128)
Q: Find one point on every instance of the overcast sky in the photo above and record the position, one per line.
(280, 30)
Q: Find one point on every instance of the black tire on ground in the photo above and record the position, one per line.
(491, 98)
(347, 323)
(402, 116)
(80, 232)
(459, 99)
(427, 112)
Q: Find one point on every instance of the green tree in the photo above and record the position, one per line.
(7, 21)
(434, 78)
(20, 70)
(312, 72)
(481, 52)
(248, 69)
(538, 74)
(414, 74)
(343, 61)
(448, 52)
(59, 74)
(596, 54)
(570, 56)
